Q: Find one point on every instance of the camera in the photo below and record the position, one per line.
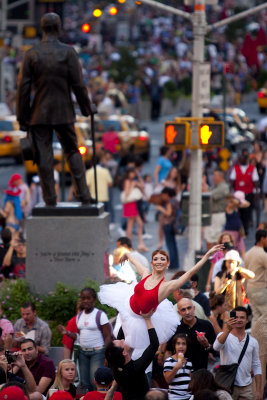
(228, 246)
(10, 357)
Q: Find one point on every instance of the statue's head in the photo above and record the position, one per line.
(50, 23)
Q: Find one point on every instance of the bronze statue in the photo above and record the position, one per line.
(50, 71)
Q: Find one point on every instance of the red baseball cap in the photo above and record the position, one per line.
(12, 393)
(61, 395)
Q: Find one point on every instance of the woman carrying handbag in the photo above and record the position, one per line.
(132, 192)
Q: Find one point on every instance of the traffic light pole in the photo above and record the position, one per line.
(194, 226)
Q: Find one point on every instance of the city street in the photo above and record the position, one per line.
(155, 130)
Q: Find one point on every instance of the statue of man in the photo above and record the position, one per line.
(49, 73)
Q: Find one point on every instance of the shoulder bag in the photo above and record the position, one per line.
(225, 374)
(134, 195)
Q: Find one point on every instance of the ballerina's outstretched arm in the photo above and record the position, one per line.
(173, 285)
(143, 271)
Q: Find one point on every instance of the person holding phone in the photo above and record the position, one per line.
(230, 343)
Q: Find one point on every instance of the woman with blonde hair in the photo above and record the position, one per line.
(65, 376)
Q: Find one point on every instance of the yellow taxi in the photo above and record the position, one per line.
(262, 100)
(10, 136)
(131, 139)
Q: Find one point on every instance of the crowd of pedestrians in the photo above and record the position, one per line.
(160, 49)
(149, 350)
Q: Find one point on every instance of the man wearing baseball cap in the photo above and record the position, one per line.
(103, 381)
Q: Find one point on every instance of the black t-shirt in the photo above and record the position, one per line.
(132, 380)
(195, 352)
(5, 270)
(201, 299)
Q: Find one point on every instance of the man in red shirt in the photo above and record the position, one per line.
(103, 382)
(244, 177)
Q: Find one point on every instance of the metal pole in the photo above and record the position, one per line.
(62, 177)
(238, 16)
(4, 15)
(194, 234)
(169, 9)
(94, 155)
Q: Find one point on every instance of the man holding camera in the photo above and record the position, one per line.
(230, 343)
(17, 362)
(40, 367)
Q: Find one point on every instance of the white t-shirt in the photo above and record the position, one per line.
(90, 335)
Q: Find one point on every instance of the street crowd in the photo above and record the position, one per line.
(159, 57)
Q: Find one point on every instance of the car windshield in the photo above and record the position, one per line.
(108, 125)
(6, 126)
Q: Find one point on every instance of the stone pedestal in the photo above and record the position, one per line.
(68, 248)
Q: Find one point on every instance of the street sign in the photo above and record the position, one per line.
(211, 134)
(204, 84)
(207, 2)
(177, 134)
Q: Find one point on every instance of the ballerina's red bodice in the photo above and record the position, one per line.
(144, 300)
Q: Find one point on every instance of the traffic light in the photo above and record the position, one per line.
(113, 10)
(177, 134)
(97, 13)
(211, 134)
(86, 28)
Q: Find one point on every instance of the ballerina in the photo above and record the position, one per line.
(149, 294)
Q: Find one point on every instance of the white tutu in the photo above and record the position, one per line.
(165, 319)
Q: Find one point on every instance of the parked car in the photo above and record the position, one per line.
(10, 136)
(262, 100)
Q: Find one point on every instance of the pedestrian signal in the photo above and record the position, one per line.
(177, 134)
(211, 135)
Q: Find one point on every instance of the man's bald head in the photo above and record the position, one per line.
(186, 309)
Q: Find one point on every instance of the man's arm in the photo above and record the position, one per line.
(219, 192)
(43, 384)
(77, 84)
(29, 379)
(143, 362)
(45, 339)
(221, 338)
(258, 391)
(7, 260)
(23, 99)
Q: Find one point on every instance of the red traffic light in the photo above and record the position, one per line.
(86, 28)
(113, 10)
(177, 134)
